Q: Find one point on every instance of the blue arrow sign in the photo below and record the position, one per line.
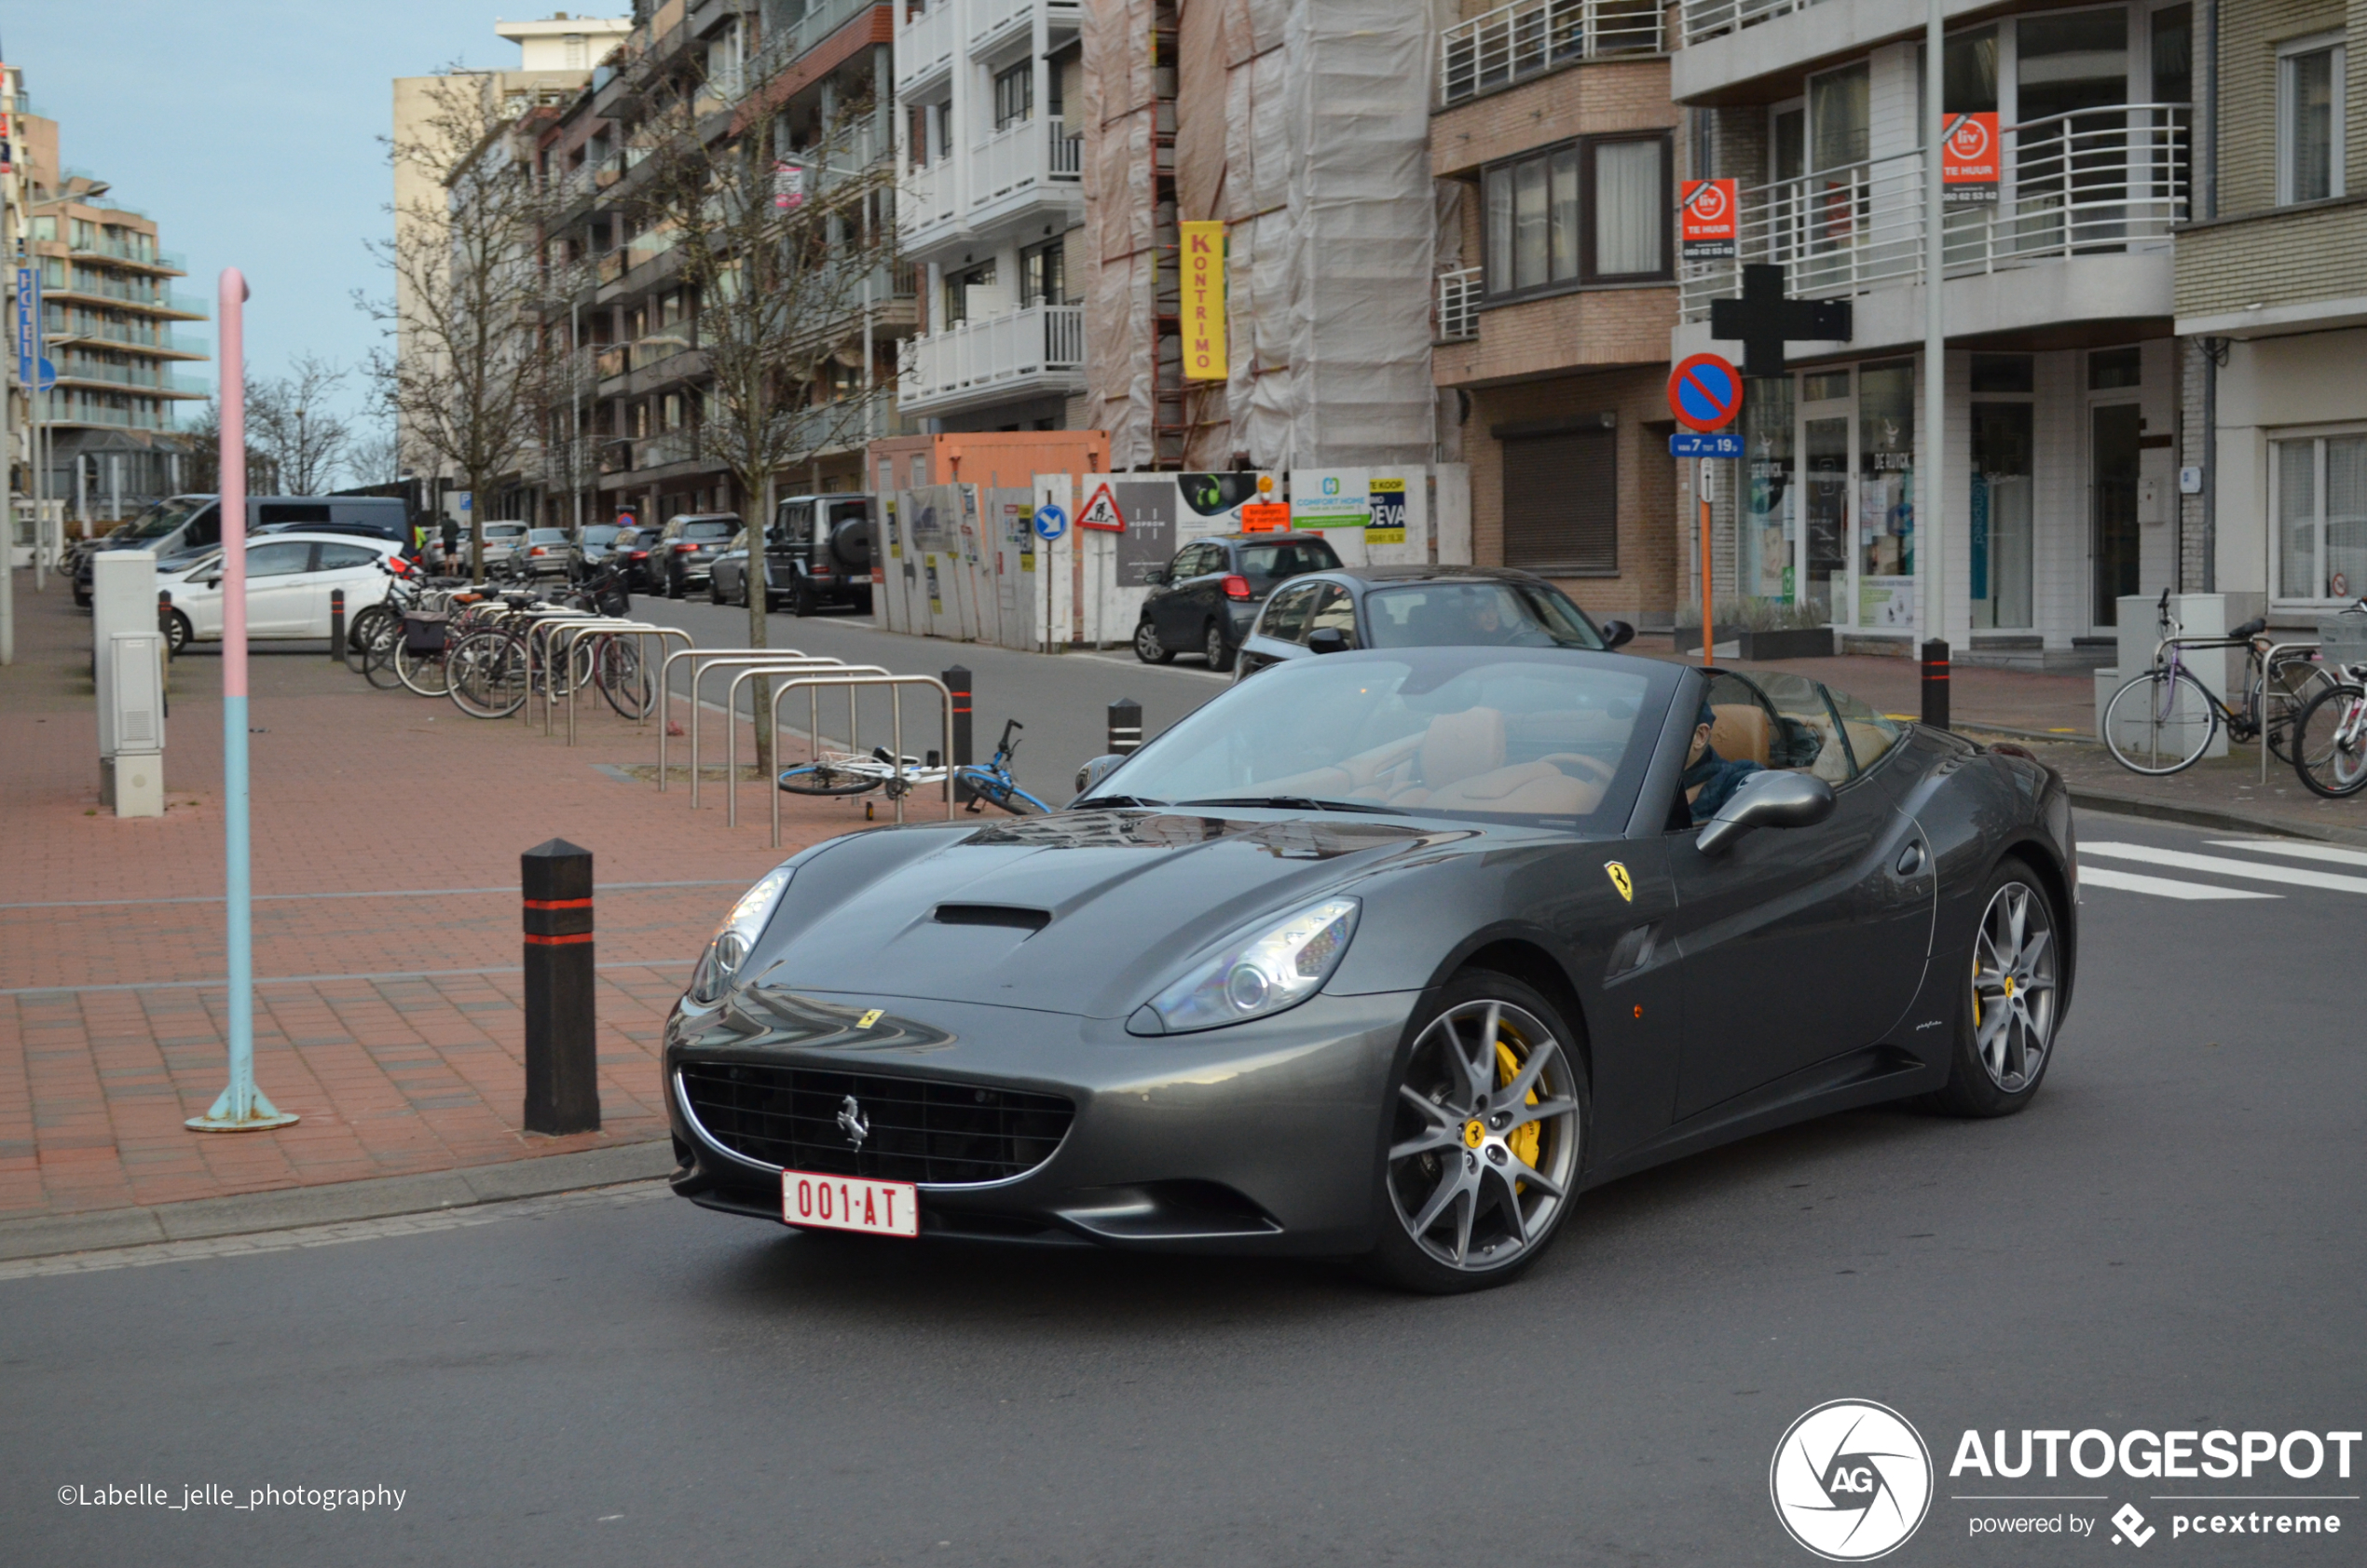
(1685, 443)
(48, 375)
(1050, 522)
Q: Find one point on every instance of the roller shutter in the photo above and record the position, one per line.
(1561, 503)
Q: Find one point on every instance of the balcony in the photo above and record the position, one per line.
(1021, 159)
(992, 22)
(925, 47)
(1037, 349)
(928, 206)
(1459, 301)
(822, 19)
(2107, 182)
(1530, 37)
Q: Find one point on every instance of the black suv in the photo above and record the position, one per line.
(1204, 600)
(818, 551)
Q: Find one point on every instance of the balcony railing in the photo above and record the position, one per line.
(1528, 37)
(925, 45)
(1458, 302)
(1710, 19)
(2089, 183)
(990, 17)
(927, 202)
(1021, 154)
(999, 351)
(821, 20)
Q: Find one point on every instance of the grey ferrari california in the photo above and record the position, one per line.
(1388, 955)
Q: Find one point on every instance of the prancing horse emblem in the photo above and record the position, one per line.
(851, 1122)
(1622, 880)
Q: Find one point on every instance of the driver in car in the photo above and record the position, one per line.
(1709, 781)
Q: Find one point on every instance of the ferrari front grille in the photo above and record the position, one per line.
(913, 1129)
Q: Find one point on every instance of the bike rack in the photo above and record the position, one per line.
(895, 685)
(732, 704)
(2268, 663)
(666, 687)
(639, 631)
(787, 662)
(552, 623)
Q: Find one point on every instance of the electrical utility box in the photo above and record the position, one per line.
(134, 696)
(123, 602)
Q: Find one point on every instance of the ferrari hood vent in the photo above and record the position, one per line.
(993, 914)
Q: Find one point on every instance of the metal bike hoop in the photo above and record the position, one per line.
(639, 631)
(666, 687)
(895, 685)
(552, 624)
(2267, 665)
(787, 662)
(732, 708)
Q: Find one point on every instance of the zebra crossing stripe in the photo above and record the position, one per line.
(2298, 850)
(2183, 860)
(2130, 881)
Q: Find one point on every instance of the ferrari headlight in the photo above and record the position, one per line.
(719, 965)
(1264, 972)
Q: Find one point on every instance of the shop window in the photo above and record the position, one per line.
(2003, 520)
(2320, 507)
(1561, 503)
(2004, 373)
(1769, 525)
(1591, 210)
(1887, 495)
(2309, 120)
(2109, 368)
(1823, 386)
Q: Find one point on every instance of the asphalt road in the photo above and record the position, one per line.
(2170, 1239)
(1063, 700)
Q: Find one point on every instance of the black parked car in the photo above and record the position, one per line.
(631, 548)
(591, 548)
(1204, 600)
(1419, 606)
(686, 549)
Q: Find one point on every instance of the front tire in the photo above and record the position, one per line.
(1147, 646)
(2007, 1011)
(714, 589)
(1481, 1136)
(674, 585)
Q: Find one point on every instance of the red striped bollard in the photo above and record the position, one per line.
(1936, 684)
(562, 1063)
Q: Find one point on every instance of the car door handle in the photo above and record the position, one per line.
(1910, 859)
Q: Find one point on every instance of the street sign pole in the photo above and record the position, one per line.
(1705, 394)
(1931, 544)
(1709, 634)
(242, 1107)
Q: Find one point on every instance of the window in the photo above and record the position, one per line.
(917, 135)
(1286, 613)
(2111, 368)
(2319, 503)
(1334, 612)
(1591, 211)
(964, 299)
(344, 557)
(1044, 275)
(1561, 503)
(283, 559)
(2004, 373)
(1014, 94)
(1840, 118)
(2309, 120)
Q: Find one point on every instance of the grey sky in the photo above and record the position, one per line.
(248, 130)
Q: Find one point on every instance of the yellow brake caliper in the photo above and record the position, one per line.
(1524, 1140)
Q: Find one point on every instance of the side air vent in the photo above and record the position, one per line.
(993, 914)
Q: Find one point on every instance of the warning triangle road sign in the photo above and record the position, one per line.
(1101, 512)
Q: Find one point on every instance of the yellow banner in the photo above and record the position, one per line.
(1203, 302)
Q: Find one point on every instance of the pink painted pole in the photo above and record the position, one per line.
(243, 1108)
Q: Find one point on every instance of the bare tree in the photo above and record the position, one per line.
(463, 379)
(294, 420)
(784, 250)
(375, 456)
(200, 444)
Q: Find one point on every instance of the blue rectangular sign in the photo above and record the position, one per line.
(28, 312)
(1685, 443)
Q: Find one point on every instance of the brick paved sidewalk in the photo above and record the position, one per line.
(387, 830)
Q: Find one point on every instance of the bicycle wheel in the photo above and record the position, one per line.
(488, 675)
(430, 674)
(995, 789)
(2287, 690)
(370, 623)
(2331, 749)
(821, 778)
(624, 679)
(2160, 723)
(377, 663)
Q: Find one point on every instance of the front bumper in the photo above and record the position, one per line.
(1262, 1138)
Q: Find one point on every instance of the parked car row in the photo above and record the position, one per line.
(817, 552)
(182, 527)
(290, 577)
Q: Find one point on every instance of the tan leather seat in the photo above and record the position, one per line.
(1534, 787)
(1739, 733)
(1460, 746)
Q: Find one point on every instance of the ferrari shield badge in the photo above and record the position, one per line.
(873, 1016)
(1621, 879)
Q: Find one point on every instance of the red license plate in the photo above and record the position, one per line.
(848, 1203)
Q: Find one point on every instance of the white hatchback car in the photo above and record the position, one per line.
(290, 577)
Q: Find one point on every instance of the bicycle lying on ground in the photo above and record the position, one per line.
(2330, 745)
(848, 773)
(2162, 722)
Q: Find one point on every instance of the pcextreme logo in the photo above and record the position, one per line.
(1851, 1481)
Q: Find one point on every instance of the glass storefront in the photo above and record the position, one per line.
(1887, 495)
(2002, 515)
(1763, 568)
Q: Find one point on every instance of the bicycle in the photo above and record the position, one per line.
(2162, 722)
(2330, 750)
(990, 780)
(846, 772)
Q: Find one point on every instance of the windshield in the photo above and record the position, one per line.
(163, 517)
(1476, 614)
(719, 528)
(1274, 562)
(600, 533)
(1454, 732)
(547, 535)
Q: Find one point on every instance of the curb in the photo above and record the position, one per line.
(2202, 816)
(283, 1209)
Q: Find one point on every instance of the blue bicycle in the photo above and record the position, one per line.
(845, 774)
(992, 782)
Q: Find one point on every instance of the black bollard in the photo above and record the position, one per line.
(562, 1068)
(1126, 726)
(1936, 684)
(957, 685)
(337, 625)
(164, 619)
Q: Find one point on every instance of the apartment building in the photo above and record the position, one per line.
(2272, 296)
(989, 158)
(814, 82)
(2063, 369)
(108, 312)
(1553, 140)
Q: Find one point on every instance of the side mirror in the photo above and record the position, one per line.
(1327, 639)
(1156, 577)
(1617, 633)
(1090, 777)
(1767, 800)
(214, 582)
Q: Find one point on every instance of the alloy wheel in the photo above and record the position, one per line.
(2014, 988)
(1484, 1152)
